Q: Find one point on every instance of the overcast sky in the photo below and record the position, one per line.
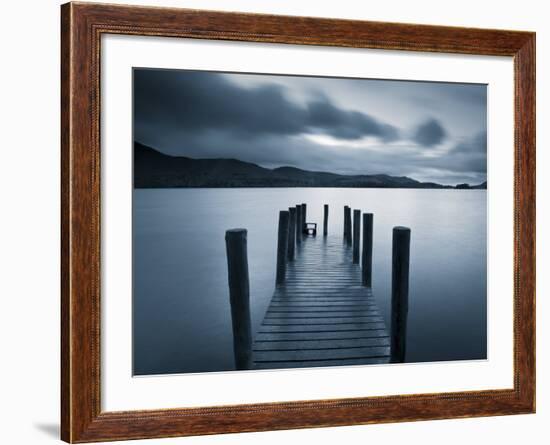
(425, 130)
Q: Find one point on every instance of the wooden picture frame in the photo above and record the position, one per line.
(82, 25)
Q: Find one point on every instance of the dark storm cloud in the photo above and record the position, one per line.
(275, 121)
(200, 101)
(429, 133)
(341, 124)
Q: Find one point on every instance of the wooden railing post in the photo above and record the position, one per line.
(298, 223)
(237, 272)
(400, 292)
(325, 220)
(366, 257)
(282, 246)
(356, 234)
(291, 233)
(347, 225)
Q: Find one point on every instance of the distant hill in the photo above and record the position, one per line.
(482, 186)
(153, 169)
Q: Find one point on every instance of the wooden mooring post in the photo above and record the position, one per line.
(298, 224)
(366, 257)
(291, 233)
(400, 292)
(347, 225)
(356, 234)
(239, 296)
(325, 220)
(304, 217)
(282, 246)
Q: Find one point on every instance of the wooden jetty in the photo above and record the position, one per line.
(323, 312)
(321, 315)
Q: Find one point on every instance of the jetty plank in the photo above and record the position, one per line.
(322, 354)
(308, 336)
(344, 343)
(322, 313)
(320, 363)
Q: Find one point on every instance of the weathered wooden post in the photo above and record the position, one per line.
(356, 234)
(298, 224)
(291, 233)
(347, 224)
(282, 246)
(237, 272)
(400, 292)
(304, 216)
(366, 259)
(325, 220)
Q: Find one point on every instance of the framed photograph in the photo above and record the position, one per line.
(275, 222)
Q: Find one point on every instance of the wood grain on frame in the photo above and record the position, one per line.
(82, 25)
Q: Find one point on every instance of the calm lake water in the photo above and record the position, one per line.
(182, 319)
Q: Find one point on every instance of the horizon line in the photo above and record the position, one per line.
(308, 171)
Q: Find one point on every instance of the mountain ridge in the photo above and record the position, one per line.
(153, 169)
